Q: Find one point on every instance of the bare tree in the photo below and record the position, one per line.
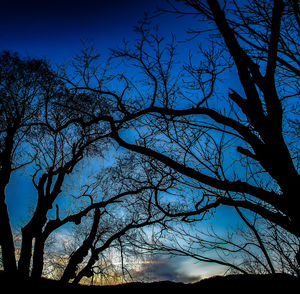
(57, 147)
(120, 220)
(56, 139)
(237, 150)
(254, 123)
(25, 86)
(255, 246)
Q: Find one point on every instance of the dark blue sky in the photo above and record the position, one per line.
(54, 29)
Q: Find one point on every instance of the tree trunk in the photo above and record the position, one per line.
(26, 252)
(6, 235)
(78, 256)
(38, 258)
(87, 270)
(6, 240)
(31, 231)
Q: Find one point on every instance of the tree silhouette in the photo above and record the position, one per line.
(200, 149)
(25, 86)
(123, 215)
(238, 150)
(256, 123)
(255, 246)
(36, 122)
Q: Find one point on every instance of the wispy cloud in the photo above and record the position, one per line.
(162, 268)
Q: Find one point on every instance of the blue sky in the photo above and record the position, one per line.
(55, 30)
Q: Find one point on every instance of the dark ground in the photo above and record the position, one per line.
(223, 284)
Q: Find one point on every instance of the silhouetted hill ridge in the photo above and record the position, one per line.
(226, 284)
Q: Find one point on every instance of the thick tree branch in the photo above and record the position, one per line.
(234, 186)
